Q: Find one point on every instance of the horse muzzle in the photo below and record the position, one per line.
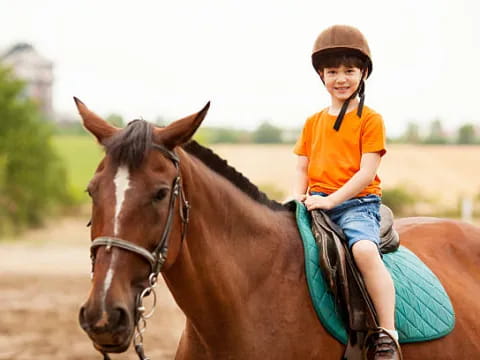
(111, 330)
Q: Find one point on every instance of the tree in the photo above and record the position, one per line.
(266, 133)
(436, 135)
(116, 120)
(32, 178)
(466, 134)
(412, 133)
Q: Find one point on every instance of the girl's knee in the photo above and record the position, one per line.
(365, 252)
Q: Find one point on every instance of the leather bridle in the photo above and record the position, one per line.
(155, 258)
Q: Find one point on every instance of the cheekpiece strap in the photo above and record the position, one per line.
(168, 153)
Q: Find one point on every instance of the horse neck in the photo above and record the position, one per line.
(231, 246)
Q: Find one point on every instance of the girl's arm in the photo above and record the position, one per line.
(368, 169)
(300, 184)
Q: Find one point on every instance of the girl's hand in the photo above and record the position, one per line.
(318, 202)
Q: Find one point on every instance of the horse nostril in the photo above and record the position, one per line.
(119, 318)
(82, 319)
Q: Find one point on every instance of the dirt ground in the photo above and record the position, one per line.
(44, 278)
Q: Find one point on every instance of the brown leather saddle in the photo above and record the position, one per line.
(345, 280)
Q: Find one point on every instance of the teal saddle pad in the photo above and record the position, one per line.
(423, 309)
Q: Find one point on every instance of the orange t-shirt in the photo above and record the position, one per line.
(334, 156)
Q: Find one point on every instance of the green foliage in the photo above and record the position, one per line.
(412, 134)
(476, 206)
(466, 135)
(115, 120)
(70, 128)
(266, 133)
(437, 135)
(32, 177)
(81, 155)
(399, 199)
(76, 128)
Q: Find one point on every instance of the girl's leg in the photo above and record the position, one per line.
(377, 280)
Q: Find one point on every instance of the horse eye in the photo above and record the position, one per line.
(160, 195)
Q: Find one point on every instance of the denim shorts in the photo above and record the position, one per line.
(359, 218)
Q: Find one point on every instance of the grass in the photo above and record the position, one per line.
(81, 155)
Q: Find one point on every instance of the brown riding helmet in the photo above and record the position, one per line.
(341, 39)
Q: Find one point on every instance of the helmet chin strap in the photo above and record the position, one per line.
(360, 91)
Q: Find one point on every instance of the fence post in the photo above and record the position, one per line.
(467, 209)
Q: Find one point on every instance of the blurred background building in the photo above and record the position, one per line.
(36, 71)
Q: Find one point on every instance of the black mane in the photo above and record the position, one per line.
(129, 146)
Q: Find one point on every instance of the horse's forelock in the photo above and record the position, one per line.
(129, 146)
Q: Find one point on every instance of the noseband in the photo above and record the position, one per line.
(155, 258)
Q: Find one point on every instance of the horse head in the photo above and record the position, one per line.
(139, 211)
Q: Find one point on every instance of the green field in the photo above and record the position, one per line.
(81, 155)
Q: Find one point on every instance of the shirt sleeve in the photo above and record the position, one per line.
(373, 135)
(301, 147)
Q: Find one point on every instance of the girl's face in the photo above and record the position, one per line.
(341, 82)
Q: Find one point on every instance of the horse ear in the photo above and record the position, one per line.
(94, 123)
(180, 131)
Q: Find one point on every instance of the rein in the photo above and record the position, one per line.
(155, 258)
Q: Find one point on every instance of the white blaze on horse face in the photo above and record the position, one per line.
(122, 184)
(106, 285)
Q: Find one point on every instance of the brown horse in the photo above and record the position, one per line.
(238, 274)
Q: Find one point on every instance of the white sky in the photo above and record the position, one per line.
(251, 58)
